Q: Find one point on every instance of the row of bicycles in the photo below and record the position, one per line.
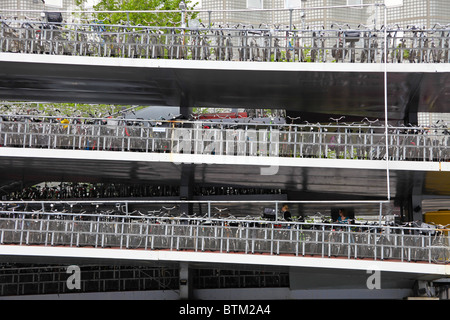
(405, 241)
(74, 190)
(361, 140)
(334, 43)
(155, 226)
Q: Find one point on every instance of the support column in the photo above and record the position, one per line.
(185, 106)
(416, 196)
(187, 187)
(187, 170)
(412, 106)
(185, 281)
(416, 206)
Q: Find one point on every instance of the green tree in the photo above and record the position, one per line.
(135, 18)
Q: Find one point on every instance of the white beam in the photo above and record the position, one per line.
(226, 65)
(28, 153)
(222, 258)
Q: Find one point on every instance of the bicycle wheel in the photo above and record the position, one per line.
(313, 243)
(440, 253)
(334, 244)
(384, 248)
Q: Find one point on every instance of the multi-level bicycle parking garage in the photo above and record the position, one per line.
(363, 142)
(209, 192)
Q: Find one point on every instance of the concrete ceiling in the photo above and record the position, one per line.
(302, 182)
(325, 89)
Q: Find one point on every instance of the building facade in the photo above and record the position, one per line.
(423, 13)
(33, 5)
(37, 4)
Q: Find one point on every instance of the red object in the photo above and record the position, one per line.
(229, 115)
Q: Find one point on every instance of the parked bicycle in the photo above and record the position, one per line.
(266, 42)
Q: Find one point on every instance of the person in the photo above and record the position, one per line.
(286, 213)
(343, 217)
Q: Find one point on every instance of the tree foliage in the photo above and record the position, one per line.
(135, 18)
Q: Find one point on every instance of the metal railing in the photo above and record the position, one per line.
(340, 43)
(37, 280)
(357, 141)
(358, 241)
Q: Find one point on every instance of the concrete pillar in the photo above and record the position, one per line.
(187, 187)
(185, 281)
(187, 170)
(417, 196)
